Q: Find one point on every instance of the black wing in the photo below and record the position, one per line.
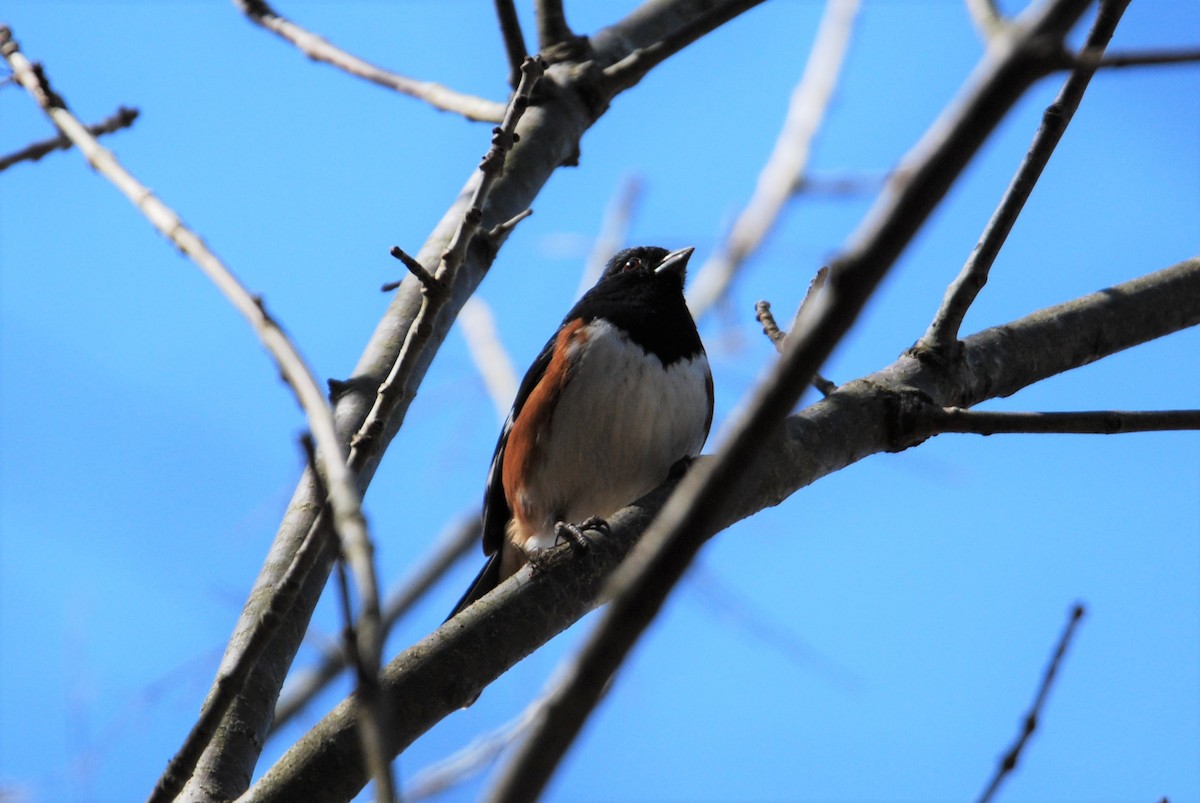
(496, 512)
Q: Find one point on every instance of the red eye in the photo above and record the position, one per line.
(633, 263)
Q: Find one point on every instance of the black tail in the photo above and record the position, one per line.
(487, 579)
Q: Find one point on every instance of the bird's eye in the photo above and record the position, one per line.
(633, 263)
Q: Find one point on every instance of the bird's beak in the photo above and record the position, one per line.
(676, 262)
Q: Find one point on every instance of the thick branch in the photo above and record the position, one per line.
(343, 496)
(641, 586)
(318, 49)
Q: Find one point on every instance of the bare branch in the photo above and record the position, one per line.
(318, 49)
(785, 167)
(641, 585)
(553, 30)
(942, 333)
(343, 498)
(530, 608)
(514, 39)
(614, 228)
(688, 22)
(396, 383)
(123, 118)
(762, 312)
(432, 285)
(454, 544)
(493, 362)
(1030, 722)
(779, 338)
(367, 677)
(1098, 422)
(1147, 58)
(453, 770)
(988, 20)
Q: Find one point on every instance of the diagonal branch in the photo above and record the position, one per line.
(857, 421)
(784, 169)
(1030, 722)
(685, 21)
(343, 496)
(318, 49)
(456, 542)
(641, 586)
(123, 118)
(943, 331)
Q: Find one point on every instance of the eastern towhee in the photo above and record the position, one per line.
(619, 395)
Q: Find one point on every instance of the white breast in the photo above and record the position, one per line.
(620, 423)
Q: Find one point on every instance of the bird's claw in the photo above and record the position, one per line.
(573, 533)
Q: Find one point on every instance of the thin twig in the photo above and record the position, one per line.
(367, 677)
(1132, 58)
(123, 118)
(942, 334)
(1029, 724)
(497, 234)
(627, 71)
(762, 311)
(641, 585)
(514, 39)
(988, 20)
(344, 499)
(785, 167)
(319, 49)
(472, 759)
(1090, 422)
(396, 384)
(779, 338)
(614, 228)
(490, 357)
(454, 544)
(428, 282)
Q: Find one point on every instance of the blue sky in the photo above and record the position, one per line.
(147, 449)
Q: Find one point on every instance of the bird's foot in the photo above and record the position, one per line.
(680, 467)
(573, 533)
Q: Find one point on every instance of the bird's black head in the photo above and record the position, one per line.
(649, 259)
(641, 292)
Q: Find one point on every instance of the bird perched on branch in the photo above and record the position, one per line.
(619, 395)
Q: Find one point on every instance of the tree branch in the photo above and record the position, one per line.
(1029, 723)
(859, 420)
(473, 108)
(936, 420)
(453, 545)
(942, 333)
(123, 118)
(343, 497)
(553, 30)
(514, 40)
(784, 169)
(657, 30)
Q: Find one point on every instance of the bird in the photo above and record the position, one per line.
(618, 397)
